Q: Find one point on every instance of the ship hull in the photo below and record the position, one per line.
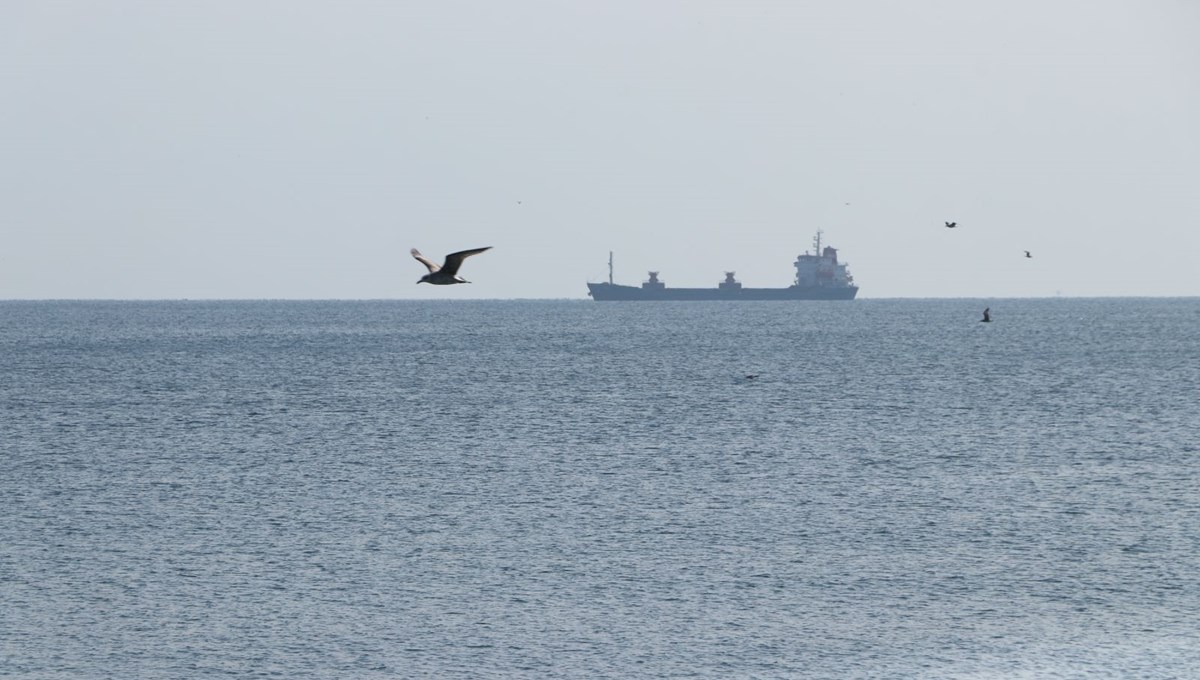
(603, 292)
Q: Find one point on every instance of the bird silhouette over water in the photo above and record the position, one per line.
(987, 318)
(951, 225)
(447, 273)
(1027, 254)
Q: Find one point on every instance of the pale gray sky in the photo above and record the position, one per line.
(298, 149)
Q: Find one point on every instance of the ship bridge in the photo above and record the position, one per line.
(821, 269)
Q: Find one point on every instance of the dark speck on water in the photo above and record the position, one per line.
(580, 490)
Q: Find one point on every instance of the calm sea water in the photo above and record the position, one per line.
(583, 490)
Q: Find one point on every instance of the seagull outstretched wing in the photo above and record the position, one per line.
(455, 260)
(430, 264)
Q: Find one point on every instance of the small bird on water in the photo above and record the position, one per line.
(986, 317)
(1027, 254)
(447, 273)
(951, 225)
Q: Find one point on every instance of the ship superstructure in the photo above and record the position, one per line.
(823, 269)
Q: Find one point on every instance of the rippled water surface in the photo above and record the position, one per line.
(577, 489)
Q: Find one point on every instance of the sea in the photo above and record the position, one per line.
(572, 489)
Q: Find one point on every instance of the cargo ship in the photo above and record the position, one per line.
(819, 276)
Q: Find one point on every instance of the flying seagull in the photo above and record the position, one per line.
(448, 272)
(986, 317)
(951, 225)
(1027, 254)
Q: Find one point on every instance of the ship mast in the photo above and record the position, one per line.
(817, 243)
(610, 268)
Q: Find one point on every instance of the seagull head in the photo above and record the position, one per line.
(423, 279)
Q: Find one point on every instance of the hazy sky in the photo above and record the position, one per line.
(298, 149)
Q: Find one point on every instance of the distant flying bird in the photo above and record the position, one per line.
(448, 272)
(1027, 254)
(951, 225)
(987, 318)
